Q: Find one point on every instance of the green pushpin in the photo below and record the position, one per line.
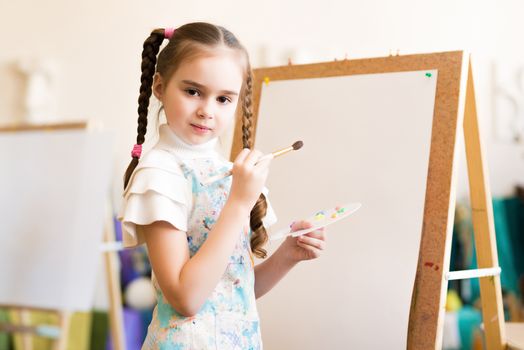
(428, 75)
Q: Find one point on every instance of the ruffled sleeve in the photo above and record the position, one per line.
(270, 218)
(154, 194)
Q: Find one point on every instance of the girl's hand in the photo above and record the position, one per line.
(248, 178)
(305, 247)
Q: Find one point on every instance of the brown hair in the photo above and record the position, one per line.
(190, 41)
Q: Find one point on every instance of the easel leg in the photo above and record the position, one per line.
(483, 225)
(115, 297)
(25, 320)
(64, 322)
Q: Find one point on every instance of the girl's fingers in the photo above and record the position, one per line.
(312, 252)
(300, 225)
(252, 158)
(312, 242)
(241, 157)
(264, 163)
(264, 172)
(319, 234)
(303, 224)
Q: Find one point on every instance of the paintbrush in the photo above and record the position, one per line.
(296, 146)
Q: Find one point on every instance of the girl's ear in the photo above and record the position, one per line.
(158, 86)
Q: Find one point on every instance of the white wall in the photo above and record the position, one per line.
(97, 44)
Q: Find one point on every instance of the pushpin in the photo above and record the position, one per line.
(428, 74)
(266, 80)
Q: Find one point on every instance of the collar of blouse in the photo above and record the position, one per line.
(171, 142)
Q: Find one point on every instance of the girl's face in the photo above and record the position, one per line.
(201, 97)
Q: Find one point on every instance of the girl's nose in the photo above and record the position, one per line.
(205, 111)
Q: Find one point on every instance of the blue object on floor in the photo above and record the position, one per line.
(469, 320)
(133, 330)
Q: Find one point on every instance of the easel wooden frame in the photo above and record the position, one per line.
(60, 342)
(454, 112)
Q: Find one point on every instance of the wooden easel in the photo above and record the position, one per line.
(454, 113)
(427, 311)
(59, 333)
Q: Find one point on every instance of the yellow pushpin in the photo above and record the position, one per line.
(266, 80)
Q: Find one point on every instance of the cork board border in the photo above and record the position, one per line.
(428, 297)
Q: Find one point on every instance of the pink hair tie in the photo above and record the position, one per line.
(168, 32)
(137, 151)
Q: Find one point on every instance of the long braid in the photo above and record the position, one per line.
(259, 236)
(246, 112)
(149, 53)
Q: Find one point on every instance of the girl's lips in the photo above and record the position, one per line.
(200, 129)
(201, 126)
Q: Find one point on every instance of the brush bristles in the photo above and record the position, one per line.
(298, 145)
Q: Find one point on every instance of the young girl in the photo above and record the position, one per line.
(201, 239)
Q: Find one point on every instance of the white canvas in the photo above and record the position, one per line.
(54, 190)
(366, 139)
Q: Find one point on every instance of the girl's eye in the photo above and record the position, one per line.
(223, 99)
(192, 92)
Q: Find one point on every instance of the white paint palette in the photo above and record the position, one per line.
(320, 219)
